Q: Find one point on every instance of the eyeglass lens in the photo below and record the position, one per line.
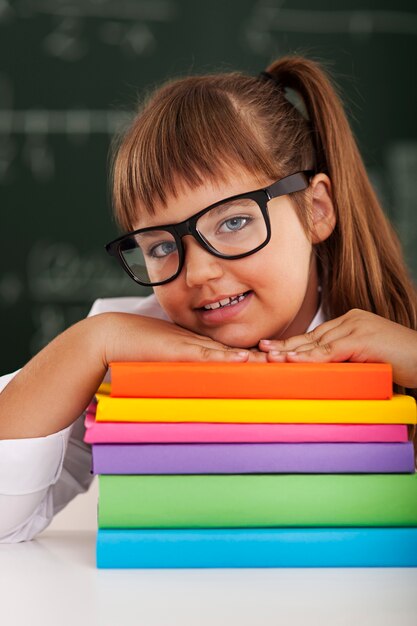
(231, 228)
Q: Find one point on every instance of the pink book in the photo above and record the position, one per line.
(200, 432)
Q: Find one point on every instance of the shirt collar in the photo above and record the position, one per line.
(318, 319)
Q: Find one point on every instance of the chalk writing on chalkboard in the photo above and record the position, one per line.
(35, 125)
(61, 280)
(59, 272)
(126, 24)
(360, 24)
(11, 288)
(70, 121)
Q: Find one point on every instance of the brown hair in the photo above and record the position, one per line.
(200, 128)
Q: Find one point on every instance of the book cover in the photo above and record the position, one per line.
(252, 380)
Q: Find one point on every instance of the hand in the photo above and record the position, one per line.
(128, 337)
(357, 336)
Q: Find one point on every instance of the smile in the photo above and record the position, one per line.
(231, 301)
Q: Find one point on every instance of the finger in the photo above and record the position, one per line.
(337, 351)
(192, 338)
(329, 337)
(228, 355)
(257, 357)
(312, 337)
(276, 357)
(212, 344)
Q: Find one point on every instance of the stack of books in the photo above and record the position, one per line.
(254, 465)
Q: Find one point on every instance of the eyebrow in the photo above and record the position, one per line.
(224, 204)
(222, 207)
(151, 233)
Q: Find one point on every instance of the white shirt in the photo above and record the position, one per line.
(40, 475)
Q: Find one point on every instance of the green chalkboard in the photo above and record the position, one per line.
(72, 70)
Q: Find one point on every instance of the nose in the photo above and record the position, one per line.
(199, 265)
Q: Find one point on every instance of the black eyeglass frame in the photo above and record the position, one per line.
(290, 184)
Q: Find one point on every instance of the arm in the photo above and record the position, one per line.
(43, 460)
(55, 387)
(38, 477)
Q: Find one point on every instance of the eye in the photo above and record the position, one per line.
(162, 249)
(234, 224)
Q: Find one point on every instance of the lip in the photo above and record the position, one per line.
(222, 314)
(218, 299)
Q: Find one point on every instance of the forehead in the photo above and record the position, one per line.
(191, 200)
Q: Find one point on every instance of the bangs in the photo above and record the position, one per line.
(192, 131)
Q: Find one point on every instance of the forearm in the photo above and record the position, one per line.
(53, 389)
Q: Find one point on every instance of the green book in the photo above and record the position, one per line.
(209, 501)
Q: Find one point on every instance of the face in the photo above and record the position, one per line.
(276, 288)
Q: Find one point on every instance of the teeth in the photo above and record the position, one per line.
(225, 302)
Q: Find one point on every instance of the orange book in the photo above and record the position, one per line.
(337, 381)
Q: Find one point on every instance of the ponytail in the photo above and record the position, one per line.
(362, 265)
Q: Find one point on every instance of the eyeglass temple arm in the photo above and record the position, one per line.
(289, 184)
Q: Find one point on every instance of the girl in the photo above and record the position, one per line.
(250, 213)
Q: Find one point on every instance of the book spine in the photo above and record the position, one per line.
(200, 432)
(314, 547)
(261, 500)
(401, 409)
(252, 380)
(260, 458)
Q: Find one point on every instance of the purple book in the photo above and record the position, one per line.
(254, 458)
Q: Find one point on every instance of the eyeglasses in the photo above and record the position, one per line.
(229, 229)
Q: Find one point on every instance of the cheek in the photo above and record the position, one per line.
(173, 301)
(285, 260)
(164, 296)
(291, 247)
(297, 258)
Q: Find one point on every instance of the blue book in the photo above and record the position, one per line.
(257, 547)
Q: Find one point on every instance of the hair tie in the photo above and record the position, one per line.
(291, 95)
(269, 76)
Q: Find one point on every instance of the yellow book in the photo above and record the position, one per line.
(104, 389)
(400, 409)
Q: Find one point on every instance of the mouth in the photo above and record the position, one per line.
(225, 309)
(224, 302)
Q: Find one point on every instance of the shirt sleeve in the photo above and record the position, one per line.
(28, 469)
(39, 476)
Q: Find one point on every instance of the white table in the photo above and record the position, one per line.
(53, 581)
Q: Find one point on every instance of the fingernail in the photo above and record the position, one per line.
(275, 353)
(293, 353)
(267, 342)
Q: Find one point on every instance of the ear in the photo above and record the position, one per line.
(323, 214)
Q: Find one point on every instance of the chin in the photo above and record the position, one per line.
(238, 340)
